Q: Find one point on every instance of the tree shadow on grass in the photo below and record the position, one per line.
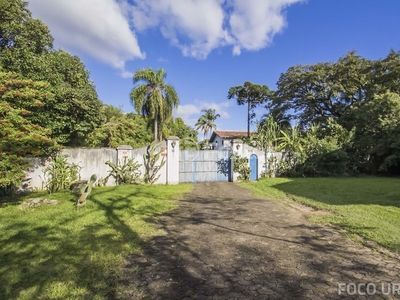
(345, 191)
(60, 252)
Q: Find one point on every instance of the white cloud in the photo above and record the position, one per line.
(254, 23)
(199, 26)
(200, 22)
(162, 59)
(191, 112)
(104, 29)
(95, 27)
(186, 112)
(220, 108)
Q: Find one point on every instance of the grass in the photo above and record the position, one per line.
(59, 252)
(368, 206)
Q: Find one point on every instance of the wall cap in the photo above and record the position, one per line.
(173, 138)
(124, 147)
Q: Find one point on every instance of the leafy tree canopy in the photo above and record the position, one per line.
(120, 129)
(187, 135)
(26, 49)
(20, 136)
(154, 98)
(313, 93)
(252, 95)
(206, 121)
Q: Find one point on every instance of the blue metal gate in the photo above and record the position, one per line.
(254, 167)
(204, 165)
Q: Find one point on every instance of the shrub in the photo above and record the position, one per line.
(60, 173)
(241, 166)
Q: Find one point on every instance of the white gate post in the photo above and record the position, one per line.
(173, 160)
(124, 153)
(237, 148)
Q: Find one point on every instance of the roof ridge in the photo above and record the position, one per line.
(233, 130)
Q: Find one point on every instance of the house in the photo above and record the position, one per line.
(232, 141)
(223, 139)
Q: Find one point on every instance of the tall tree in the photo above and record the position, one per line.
(22, 38)
(153, 98)
(26, 48)
(313, 93)
(206, 121)
(377, 133)
(20, 134)
(252, 95)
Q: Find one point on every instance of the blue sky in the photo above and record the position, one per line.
(207, 46)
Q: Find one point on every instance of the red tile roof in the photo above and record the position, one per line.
(229, 134)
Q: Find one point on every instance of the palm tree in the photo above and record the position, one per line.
(206, 121)
(154, 98)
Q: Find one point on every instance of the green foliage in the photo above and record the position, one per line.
(292, 143)
(241, 166)
(331, 89)
(20, 136)
(120, 129)
(151, 158)
(126, 173)
(377, 133)
(252, 95)
(267, 134)
(206, 121)
(271, 167)
(60, 173)
(154, 98)
(204, 144)
(22, 38)
(68, 102)
(186, 134)
(75, 110)
(361, 96)
(322, 151)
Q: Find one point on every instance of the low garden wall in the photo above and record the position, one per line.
(90, 161)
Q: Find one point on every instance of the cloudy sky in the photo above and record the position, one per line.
(207, 46)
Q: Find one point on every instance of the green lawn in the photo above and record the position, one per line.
(59, 252)
(367, 206)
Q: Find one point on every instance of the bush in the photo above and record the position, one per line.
(241, 166)
(60, 173)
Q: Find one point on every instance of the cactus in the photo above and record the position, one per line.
(85, 190)
(150, 159)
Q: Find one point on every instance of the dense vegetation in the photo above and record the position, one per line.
(347, 117)
(47, 100)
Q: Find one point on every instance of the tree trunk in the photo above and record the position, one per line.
(248, 119)
(155, 130)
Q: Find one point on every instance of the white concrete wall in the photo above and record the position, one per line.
(93, 161)
(245, 150)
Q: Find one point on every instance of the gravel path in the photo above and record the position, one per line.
(223, 243)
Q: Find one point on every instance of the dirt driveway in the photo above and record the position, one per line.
(223, 243)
